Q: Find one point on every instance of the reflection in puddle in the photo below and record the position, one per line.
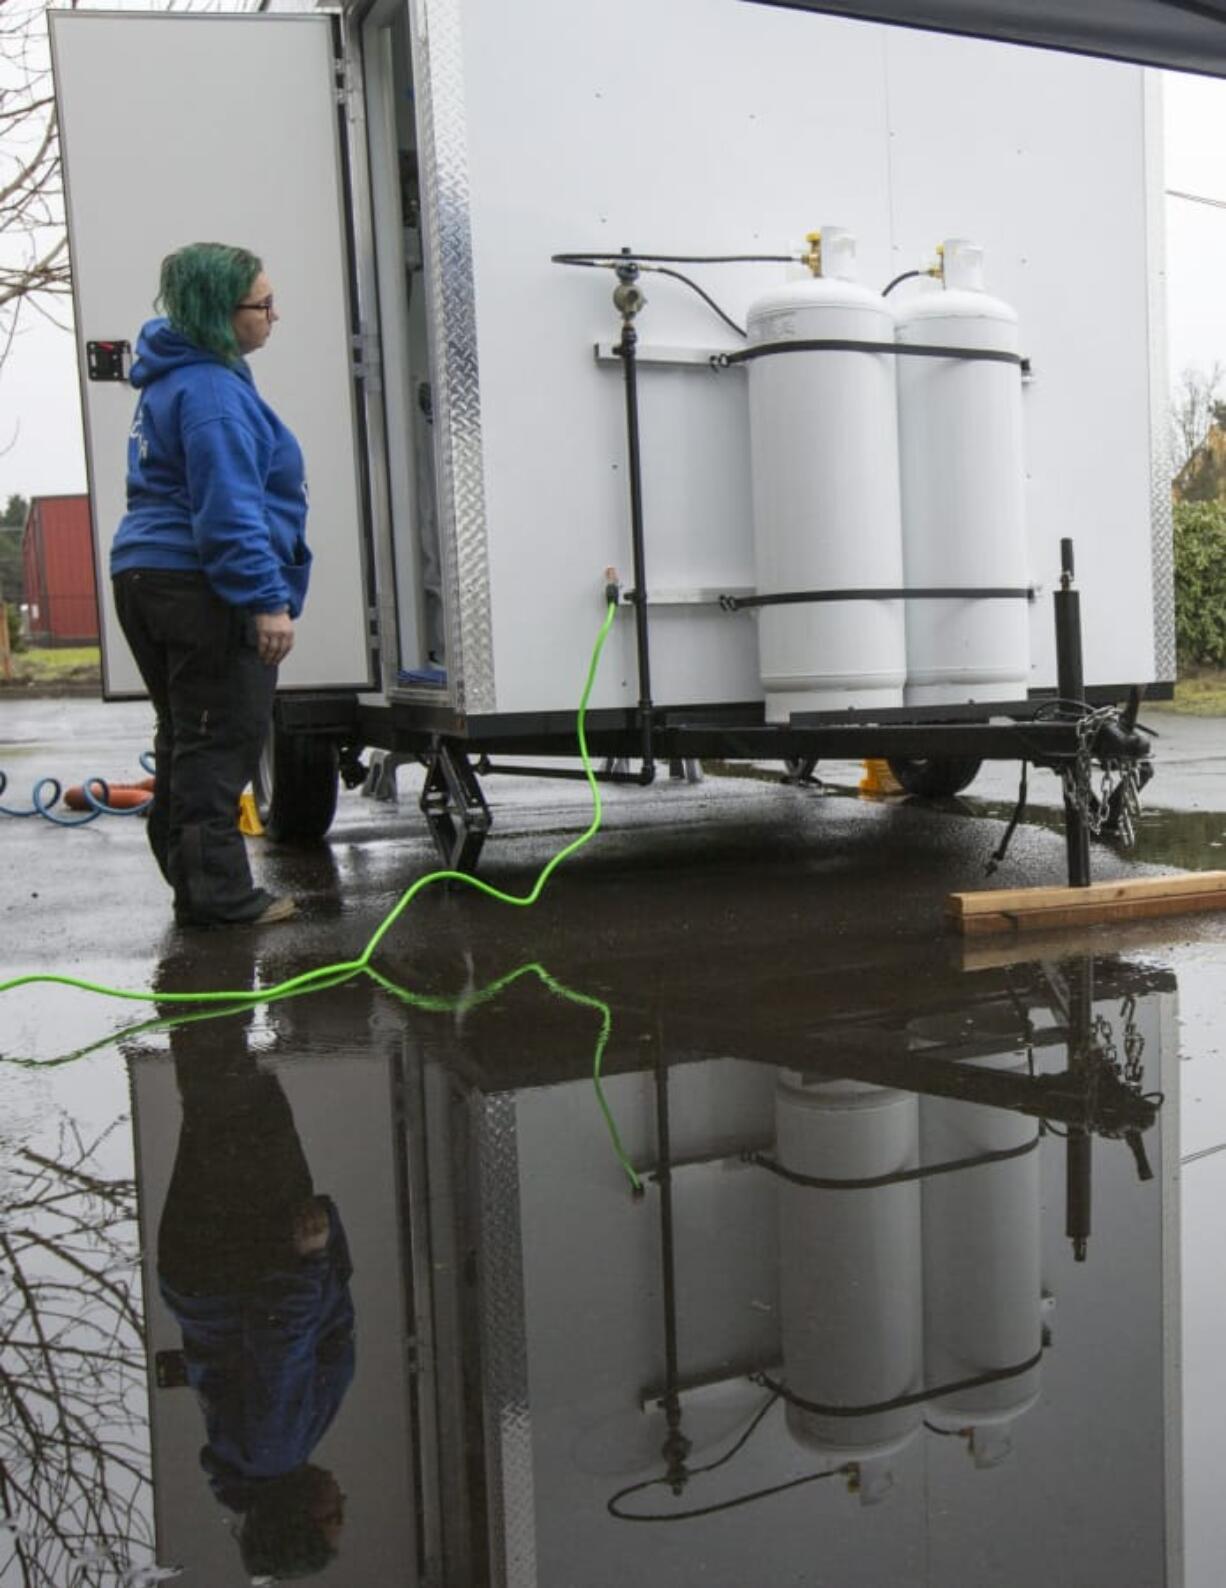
(253, 1265)
(1189, 840)
(868, 1277)
(848, 1267)
(74, 1444)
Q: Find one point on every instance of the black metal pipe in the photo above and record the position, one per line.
(627, 350)
(1099, 1104)
(1070, 682)
(1070, 675)
(570, 774)
(676, 1445)
(1079, 1147)
(1076, 845)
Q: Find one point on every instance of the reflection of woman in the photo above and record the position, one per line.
(255, 1267)
(210, 568)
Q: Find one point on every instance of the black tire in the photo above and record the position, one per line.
(296, 786)
(936, 778)
(799, 769)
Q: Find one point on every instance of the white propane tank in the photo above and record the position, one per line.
(824, 440)
(851, 1299)
(982, 1266)
(963, 485)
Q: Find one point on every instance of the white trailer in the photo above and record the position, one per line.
(410, 169)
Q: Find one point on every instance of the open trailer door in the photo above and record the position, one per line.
(181, 128)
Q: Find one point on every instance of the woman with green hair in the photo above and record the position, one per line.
(209, 568)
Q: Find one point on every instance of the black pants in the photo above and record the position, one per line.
(213, 698)
(240, 1178)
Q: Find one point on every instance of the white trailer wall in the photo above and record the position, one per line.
(712, 126)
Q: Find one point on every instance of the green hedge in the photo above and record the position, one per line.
(1200, 582)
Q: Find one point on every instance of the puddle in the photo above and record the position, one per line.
(364, 1288)
(1189, 840)
(870, 1261)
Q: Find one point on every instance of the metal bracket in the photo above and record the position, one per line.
(685, 357)
(700, 596)
(109, 360)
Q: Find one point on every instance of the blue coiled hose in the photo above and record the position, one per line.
(48, 792)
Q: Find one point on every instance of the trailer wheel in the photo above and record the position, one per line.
(936, 778)
(296, 785)
(799, 769)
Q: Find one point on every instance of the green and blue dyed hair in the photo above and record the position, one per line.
(200, 288)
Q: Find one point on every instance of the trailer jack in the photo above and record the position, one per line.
(455, 809)
(353, 770)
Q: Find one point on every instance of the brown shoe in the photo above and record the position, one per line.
(276, 910)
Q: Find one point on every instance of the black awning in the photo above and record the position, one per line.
(1184, 35)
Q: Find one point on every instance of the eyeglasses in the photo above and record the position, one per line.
(265, 308)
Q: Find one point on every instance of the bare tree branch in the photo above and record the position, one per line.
(1193, 405)
(74, 1454)
(33, 251)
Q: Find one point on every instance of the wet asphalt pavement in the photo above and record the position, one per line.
(921, 1286)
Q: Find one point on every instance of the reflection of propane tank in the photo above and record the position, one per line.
(850, 1281)
(982, 1278)
(824, 435)
(963, 511)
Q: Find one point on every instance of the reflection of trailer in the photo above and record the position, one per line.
(895, 1279)
(408, 173)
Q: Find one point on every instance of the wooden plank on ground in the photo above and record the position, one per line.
(998, 910)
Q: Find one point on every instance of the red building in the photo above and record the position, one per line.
(61, 593)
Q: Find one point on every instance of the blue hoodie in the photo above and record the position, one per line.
(215, 480)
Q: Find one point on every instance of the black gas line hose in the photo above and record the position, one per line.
(907, 275)
(665, 270)
(659, 265)
(613, 1504)
(674, 259)
(996, 859)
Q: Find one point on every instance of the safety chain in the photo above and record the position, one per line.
(1118, 800)
(1132, 1071)
(1134, 1044)
(1104, 1041)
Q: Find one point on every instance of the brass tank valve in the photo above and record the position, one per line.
(812, 255)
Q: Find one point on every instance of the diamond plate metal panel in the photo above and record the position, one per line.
(1162, 560)
(438, 75)
(504, 1349)
(1163, 557)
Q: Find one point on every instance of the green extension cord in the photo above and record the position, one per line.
(327, 976)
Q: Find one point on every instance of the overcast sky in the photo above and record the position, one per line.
(40, 423)
(1195, 232)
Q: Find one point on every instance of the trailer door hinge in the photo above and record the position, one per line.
(367, 362)
(345, 89)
